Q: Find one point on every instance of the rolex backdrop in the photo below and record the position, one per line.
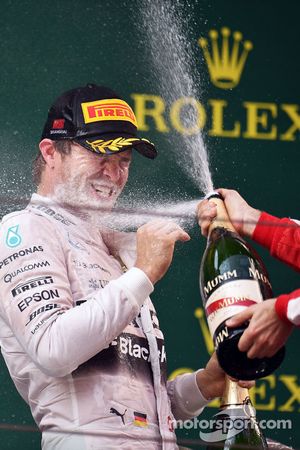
(215, 85)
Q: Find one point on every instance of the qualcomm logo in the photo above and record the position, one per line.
(13, 239)
(225, 60)
(227, 424)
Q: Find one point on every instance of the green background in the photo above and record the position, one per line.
(49, 47)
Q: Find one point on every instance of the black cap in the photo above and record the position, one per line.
(98, 119)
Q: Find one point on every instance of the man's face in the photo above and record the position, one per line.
(91, 181)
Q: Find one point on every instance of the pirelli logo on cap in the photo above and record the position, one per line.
(110, 109)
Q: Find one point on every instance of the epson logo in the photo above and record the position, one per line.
(36, 282)
(37, 297)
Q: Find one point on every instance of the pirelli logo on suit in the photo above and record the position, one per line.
(31, 284)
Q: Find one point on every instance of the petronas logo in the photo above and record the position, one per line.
(13, 239)
(225, 56)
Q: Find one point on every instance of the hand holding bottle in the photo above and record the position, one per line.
(242, 216)
(233, 278)
(212, 380)
(266, 332)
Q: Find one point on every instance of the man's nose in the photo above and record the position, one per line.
(111, 169)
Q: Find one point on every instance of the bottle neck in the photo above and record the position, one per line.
(222, 219)
(234, 395)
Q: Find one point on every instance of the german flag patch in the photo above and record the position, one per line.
(140, 419)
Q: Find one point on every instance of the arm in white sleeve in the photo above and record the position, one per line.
(186, 398)
(57, 336)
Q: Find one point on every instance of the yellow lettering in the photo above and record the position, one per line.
(156, 111)
(176, 115)
(215, 403)
(180, 371)
(292, 112)
(294, 388)
(199, 314)
(188, 116)
(256, 118)
(259, 392)
(218, 121)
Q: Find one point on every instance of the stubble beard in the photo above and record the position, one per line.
(74, 195)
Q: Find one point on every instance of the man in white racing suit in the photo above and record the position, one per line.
(78, 330)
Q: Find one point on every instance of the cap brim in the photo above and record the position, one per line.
(110, 144)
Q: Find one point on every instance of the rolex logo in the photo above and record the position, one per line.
(225, 57)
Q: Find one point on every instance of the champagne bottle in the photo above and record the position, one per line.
(236, 426)
(233, 277)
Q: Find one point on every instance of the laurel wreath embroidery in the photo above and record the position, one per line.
(114, 145)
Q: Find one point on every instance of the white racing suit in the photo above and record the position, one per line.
(81, 338)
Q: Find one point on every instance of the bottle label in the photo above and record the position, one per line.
(226, 301)
(238, 267)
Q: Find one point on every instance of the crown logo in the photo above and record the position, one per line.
(225, 63)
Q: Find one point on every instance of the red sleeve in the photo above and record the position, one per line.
(281, 237)
(287, 307)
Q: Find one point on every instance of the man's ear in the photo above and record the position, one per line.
(48, 151)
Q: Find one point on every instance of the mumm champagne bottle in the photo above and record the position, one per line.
(232, 278)
(236, 426)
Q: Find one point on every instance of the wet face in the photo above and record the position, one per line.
(90, 180)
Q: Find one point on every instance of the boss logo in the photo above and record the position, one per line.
(42, 309)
